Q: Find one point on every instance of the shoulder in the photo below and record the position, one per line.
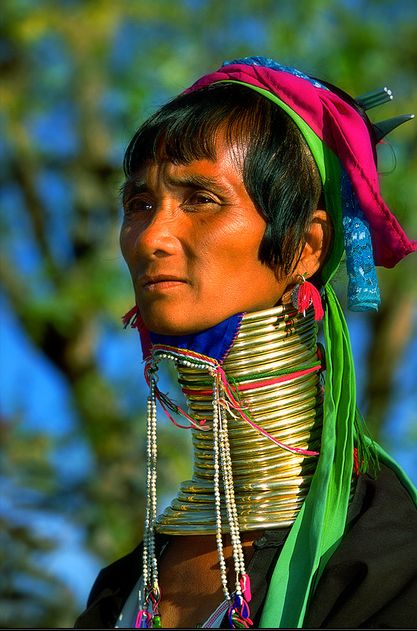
(109, 591)
(371, 579)
(382, 506)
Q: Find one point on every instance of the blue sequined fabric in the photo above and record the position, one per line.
(267, 62)
(363, 289)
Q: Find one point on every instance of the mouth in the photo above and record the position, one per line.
(161, 282)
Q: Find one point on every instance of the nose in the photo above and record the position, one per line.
(159, 236)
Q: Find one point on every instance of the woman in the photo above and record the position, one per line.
(242, 195)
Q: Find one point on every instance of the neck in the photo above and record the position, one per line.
(272, 368)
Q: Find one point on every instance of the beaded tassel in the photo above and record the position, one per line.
(306, 294)
(217, 494)
(238, 612)
(151, 593)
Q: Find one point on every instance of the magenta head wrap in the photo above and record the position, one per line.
(341, 127)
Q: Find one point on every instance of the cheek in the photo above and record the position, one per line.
(230, 257)
(124, 240)
(235, 230)
(238, 242)
(127, 241)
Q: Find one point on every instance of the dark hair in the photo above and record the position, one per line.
(278, 170)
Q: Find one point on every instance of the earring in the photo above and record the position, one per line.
(306, 294)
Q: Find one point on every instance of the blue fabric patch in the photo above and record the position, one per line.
(214, 342)
(363, 289)
(267, 62)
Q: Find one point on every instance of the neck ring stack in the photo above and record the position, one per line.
(274, 369)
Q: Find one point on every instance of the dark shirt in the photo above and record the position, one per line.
(369, 582)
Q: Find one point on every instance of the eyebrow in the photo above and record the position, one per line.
(137, 184)
(195, 181)
(131, 186)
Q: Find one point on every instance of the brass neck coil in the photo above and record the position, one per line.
(270, 483)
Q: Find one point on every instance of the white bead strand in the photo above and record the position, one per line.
(216, 485)
(230, 500)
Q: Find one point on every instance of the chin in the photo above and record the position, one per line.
(171, 326)
(179, 324)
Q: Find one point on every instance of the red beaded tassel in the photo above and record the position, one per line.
(306, 294)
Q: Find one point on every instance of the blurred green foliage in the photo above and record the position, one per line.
(77, 77)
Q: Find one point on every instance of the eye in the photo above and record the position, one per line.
(199, 199)
(138, 205)
(202, 198)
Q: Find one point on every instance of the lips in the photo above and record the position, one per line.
(159, 281)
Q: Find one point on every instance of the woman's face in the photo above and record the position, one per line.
(191, 237)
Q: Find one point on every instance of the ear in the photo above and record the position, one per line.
(316, 245)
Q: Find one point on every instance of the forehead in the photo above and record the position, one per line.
(187, 135)
(224, 146)
(224, 166)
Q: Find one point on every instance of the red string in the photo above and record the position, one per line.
(237, 406)
(128, 317)
(307, 295)
(259, 384)
(163, 400)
